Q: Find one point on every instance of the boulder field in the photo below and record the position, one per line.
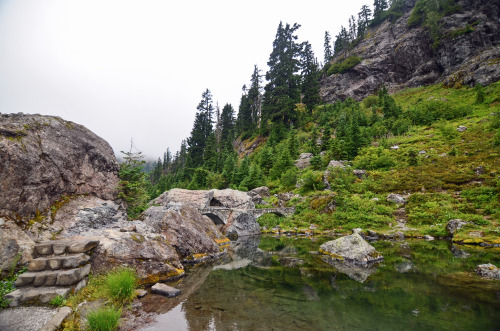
(58, 181)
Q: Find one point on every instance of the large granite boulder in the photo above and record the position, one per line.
(454, 225)
(201, 199)
(232, 199)
(304, 160)
(353, 249)
(185, 228)
(244, 223)
(43, 158)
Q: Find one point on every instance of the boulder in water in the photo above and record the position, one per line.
(353, 249)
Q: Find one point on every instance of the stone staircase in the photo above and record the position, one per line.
(59, 268)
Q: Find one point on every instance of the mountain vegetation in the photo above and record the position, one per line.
(436, 144)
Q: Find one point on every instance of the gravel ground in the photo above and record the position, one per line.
(25, 318)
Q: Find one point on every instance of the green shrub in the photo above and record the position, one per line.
(447, 130)
(341, 179)
(480, 95)
(425, 113)
(121, 284)
(289, 179)
(373, 158)
(343, 66)
(104, 319)
(312, 181)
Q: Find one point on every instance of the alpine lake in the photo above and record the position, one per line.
(281, 283)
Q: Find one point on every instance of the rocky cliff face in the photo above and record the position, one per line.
(43, 158)
(398, 56)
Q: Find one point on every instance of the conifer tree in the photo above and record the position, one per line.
(364, 16)
(244, 121)
(255, 97)
(328, 48)
(310, 77)
(242, 171)
(283, 89)
(227, 125)
(202, 128)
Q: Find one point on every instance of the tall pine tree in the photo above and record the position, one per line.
(202, 128)
(310, 77)
(282, 91)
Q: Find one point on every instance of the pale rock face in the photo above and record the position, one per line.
(14, 241)
(232, 199)
(45, 157)
(352, 248)
(188, 231)
(400, 57)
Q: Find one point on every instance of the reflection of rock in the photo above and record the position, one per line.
(457, 252)
(290, 261)
(357, 272)
(404, 267)
(353, 249)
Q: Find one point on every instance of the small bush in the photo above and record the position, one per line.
(104, 319)
(373, 158)
(312, 181)
(121, 284)
(58, 301)
(289, 178)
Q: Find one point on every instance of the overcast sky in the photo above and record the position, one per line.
(137, 69)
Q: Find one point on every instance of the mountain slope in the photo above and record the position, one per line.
(464, 51)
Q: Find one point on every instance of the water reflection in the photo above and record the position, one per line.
(267, 283)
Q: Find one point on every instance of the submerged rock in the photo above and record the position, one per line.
(353, 249)
(165, 290)
(488, 271)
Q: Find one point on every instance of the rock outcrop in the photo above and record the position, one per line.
(398, 56)
(46, 157)
(488, 271)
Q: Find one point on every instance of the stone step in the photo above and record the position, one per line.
(59, 247)
(58, 262)
(40, 294)
(53, 277)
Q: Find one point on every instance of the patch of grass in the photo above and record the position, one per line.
(104, 319)
(58, 301)
(121, 284)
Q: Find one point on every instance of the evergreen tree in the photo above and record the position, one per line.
(255, 97)
(202, 128)
(229, 167)
(211, 155)
(379, 7)
(328, 47)
(283, 89)
(310, 77)
(283, 163)
(244, 121)
(364, 16)
(253, 180)
(266, 159)
(167, 159)
(242, 171)
(132, 184)
(227, 125)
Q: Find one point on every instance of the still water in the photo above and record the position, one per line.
(267, 283)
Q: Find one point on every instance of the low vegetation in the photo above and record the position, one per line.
(7, 283)
(116, 288)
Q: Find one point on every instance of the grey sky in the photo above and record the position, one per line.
(138, 68)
